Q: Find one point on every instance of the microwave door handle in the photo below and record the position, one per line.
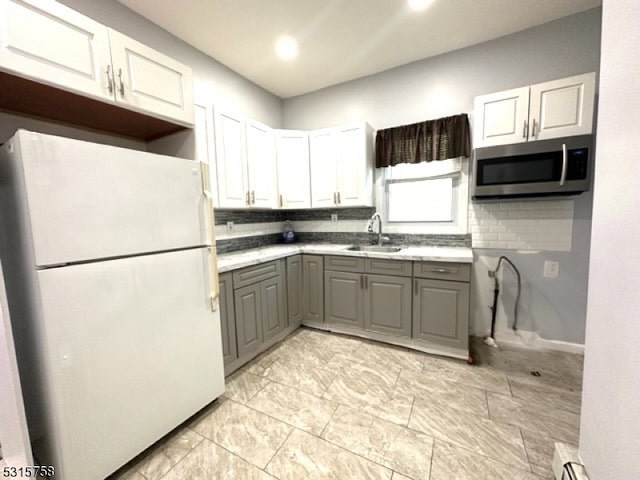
(563, 175)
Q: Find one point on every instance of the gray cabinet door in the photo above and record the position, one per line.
(313, 289)
(227, 319)
(248, 306)
(387, 304)
(441, 312)
(274, 317)
(343, 294)
(294, 290)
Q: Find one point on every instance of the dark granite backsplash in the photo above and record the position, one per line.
(224, 215)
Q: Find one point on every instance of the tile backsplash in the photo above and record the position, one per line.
(256, 228)
(526, 225)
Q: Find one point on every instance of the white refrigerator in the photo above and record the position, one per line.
(109, 282)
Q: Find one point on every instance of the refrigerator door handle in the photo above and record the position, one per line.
(211, 236)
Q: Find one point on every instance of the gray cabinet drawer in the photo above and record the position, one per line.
(460, 272)
(249, 275)
(344, 264)
(388, 267)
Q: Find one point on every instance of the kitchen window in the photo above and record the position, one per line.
(426, 197)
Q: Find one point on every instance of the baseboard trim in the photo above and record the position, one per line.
(528, 339)
(566, 454)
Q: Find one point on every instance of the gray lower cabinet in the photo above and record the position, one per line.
(387, 304)
(294, 290)
(343, 294)
(227, 320)
(253, 311)
(441, 312)
(273, 308)
(248, 306)
(312, 289)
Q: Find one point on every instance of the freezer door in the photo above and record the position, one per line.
(131, 350)
(87, 201)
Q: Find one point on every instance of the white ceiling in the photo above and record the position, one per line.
(340, 40)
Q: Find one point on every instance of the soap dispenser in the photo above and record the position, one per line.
(288, 236)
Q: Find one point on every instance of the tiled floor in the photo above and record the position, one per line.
(325, 406)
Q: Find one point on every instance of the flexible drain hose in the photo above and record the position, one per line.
(494, 274)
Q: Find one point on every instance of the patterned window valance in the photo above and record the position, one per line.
(437, 139)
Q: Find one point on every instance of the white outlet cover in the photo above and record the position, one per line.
(551, 269)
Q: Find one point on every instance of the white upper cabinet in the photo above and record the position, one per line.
(560, 108)
(354, 168)
(51, 44)
(233, 191)
(292, 150)
(148, 81)
(246, 163)
(341, 166)
(323, 155)
(501, 118)
(261, 163)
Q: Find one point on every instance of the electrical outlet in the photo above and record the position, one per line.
(551, 269)
(229, 227)
(334, 217)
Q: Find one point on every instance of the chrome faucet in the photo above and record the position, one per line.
(381, 238)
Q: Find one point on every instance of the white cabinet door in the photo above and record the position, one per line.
(562, 108)
(292, 149)
(52, 44)
(353, 166)
(322, 159)
(501, 118)
(232, 166)
(205, 145)
(261, 162)
(148, 81)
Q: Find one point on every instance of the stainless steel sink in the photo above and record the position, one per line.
(373, 248)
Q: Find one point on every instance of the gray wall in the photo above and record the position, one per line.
(445, 85)
(610, 419)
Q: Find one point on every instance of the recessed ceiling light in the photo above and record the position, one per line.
(287, 47)
(418, 5)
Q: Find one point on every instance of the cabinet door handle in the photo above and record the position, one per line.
(281, 203)
(415, 287)
(563, 175)
(366, 282)
(247, 198)
(339, 201)
(121, 82)
(253, 197)
(335, 198)
(440, 270)
(109, 79)
(524, 130)
(533, 128)
(361, 282)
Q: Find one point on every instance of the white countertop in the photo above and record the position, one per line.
(246, 258)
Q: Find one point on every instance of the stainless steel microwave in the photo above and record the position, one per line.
(560, 166)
